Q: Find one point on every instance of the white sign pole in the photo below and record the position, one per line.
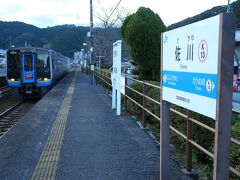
(113, 94)
(118, 98)
(116, 82)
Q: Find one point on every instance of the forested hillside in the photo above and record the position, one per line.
(65, 39)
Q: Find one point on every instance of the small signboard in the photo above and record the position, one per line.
(116, 77)
(190, 66)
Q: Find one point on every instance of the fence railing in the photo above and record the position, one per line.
(104, 77)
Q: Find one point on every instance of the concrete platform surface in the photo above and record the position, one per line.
(91, 142)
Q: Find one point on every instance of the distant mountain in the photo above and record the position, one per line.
(65, 39)
(235, 7)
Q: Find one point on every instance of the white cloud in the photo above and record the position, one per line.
(45, 13)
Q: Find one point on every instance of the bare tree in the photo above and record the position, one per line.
(103, 44)
(108, 32)
(109, 19)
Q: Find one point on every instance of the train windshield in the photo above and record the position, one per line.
(13, 65)
(43, 64)
(28, 63)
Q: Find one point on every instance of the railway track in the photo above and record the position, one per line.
(4, 90)
(12, 114)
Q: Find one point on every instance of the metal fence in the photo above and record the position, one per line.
(104, 77)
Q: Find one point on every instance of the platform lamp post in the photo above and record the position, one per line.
(84, 47)
(90, 33)
(228, 7)
(89, 47)
(85, 56)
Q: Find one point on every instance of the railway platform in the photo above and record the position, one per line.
(72, 133)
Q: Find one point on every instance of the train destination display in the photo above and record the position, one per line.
(190, 66)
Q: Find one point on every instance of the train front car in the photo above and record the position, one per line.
(29, 70)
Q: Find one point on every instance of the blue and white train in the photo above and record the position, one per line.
(33, 70)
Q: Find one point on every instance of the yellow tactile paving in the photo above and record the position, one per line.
(47, 165)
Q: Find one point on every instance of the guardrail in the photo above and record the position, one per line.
(104, 77)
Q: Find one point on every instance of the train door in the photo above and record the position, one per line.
(28, 68)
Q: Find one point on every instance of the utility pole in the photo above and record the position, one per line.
(91, 31)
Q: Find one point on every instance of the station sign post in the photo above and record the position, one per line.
(116, 77)
(197, 74)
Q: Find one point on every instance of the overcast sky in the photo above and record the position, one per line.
(44, 13)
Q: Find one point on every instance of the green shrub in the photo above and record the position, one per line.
(235, 149)
(235, 117)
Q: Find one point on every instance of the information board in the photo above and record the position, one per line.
(190, 66)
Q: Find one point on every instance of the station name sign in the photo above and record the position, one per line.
(190, 66)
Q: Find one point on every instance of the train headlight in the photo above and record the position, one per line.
(12, 79)
(45, 79)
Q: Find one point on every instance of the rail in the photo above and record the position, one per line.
(104, 77)
(4, 90)
(12, 114)
(10, 108)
